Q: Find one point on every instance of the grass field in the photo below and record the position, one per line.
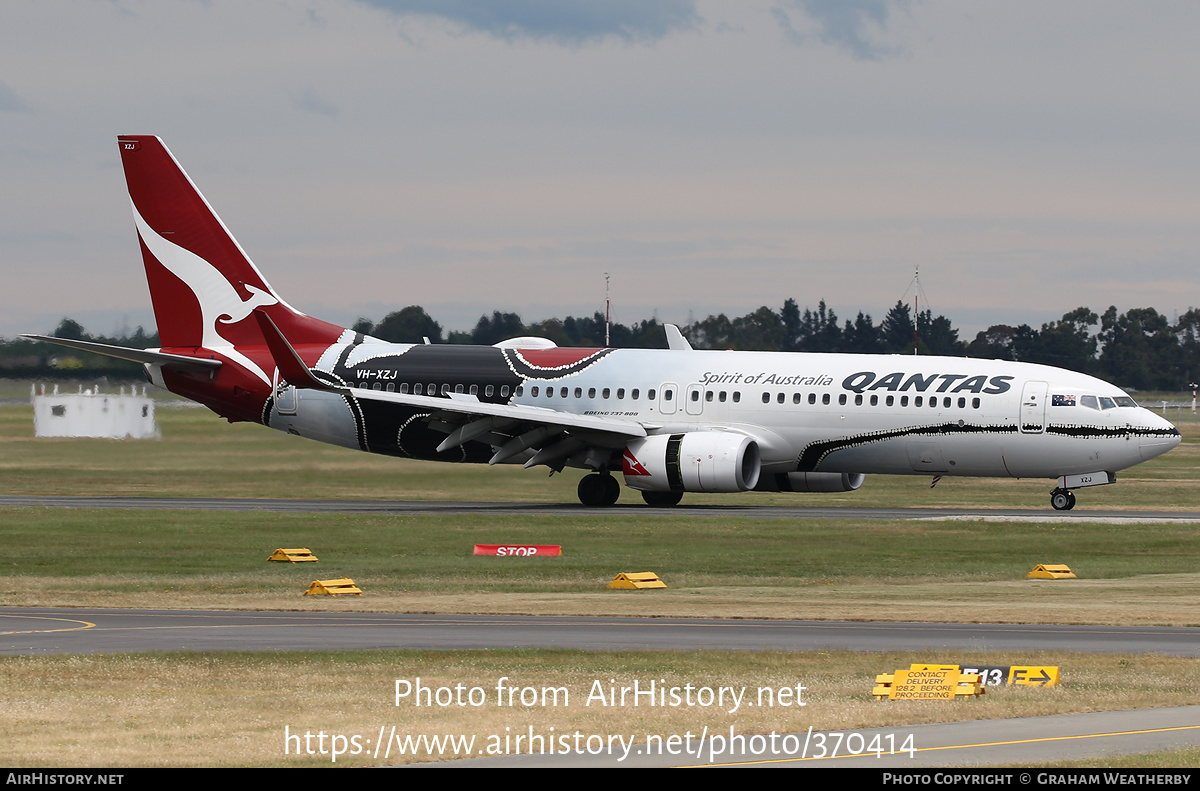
(715, 566)
(202, 455)
(1130, 574)
(230, 709)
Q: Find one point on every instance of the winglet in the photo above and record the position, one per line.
(675, 339)
(290, 366)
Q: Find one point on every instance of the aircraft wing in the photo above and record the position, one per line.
(554, 435)
(516, 428)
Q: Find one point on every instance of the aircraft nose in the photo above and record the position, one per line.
(1158, 436)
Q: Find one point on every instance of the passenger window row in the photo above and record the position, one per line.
(721, 396)
(606, 393)
(874, 400)
(432, 389)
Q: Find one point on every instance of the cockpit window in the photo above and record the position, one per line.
(1106, 402)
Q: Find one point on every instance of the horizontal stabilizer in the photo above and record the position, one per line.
(177, 361)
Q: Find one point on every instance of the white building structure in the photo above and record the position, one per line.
(90, 413)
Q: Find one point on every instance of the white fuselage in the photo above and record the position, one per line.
(807, 412)
(894, 414)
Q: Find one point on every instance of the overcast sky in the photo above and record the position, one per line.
(471, 155)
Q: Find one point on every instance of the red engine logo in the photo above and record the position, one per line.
(631, 466)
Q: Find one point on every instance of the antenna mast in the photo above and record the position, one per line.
(915, 285)
(607, 305)
(916, 305)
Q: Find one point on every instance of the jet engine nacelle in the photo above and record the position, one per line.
(698, 461)
(811, 482)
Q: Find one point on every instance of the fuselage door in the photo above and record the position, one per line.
(1033, 408)
(666, 398)
(285, 396)
(694, 399)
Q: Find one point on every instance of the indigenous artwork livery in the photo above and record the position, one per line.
(669, 421)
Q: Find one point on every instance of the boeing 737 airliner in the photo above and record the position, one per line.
(668, 420)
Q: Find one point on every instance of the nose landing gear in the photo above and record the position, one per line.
(1062, 500)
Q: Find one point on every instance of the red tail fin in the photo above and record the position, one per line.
(203, 285)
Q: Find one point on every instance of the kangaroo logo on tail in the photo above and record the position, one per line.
(186, 248)
(219, 300)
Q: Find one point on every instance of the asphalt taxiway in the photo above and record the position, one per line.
(408, 507)
(45, 630)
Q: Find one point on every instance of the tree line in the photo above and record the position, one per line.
(1139, 349)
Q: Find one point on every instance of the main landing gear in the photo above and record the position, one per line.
(1062, 500)
(598, 490)
(662, 499)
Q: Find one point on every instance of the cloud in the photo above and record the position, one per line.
(567, 22)
(308, 100)
(850, 24)
(10, 102)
